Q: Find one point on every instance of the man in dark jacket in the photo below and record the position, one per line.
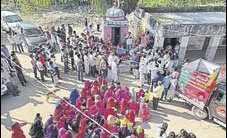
(19, 71)
(70, 30)
(71, 56)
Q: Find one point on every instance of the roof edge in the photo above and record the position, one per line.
(183, 9)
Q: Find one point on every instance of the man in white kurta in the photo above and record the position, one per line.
(114, 71)
(109, 74)
(143, 71)
(86, 64)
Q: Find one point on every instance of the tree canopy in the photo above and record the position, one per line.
(100, 6)
(180, 3)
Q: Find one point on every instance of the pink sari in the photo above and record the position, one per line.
(140, 93)
(109, 111)
(86, 84)
(100, 107)
(134, 106)
(95, 83)
(95, 90)
(123, 106)
(110, 102)
(126, 88)
(61, 122)
(92, 110)
(107, 95)
(89, 103)
(144, 112)
(102, 93)
(119, 95)
(127, 96)
(143, 40)
(61, 132)
(78, 103)
(131, 116)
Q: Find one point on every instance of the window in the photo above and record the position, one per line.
(196, 43)
(221, 97)
(33, 32)
(223, 41)
(12, 19)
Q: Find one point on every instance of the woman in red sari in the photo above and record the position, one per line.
(16, 130)
(123, 106)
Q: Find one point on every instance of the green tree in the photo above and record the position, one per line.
(180, 3)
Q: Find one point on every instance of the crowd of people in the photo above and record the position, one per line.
(114, 107)
(98, 111)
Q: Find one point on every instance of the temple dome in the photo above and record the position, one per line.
(115, 13)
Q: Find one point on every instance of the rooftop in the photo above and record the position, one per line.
(7, 13)
(115, 12)
(190, 18)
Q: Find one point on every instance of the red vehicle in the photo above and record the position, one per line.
(202, 84)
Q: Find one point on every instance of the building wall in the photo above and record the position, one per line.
(124, 32)
(151, 24)
(220, 56)
(182, 9)
(190, 29)
(107, 34)
(197, 46)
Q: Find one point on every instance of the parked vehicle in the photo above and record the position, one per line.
(3, 86)
(9, 20)
(31, 36)
(202, 84)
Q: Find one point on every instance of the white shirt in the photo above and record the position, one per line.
(72, 40)
(39, 65)
(110, 58)
(86, 61)
(154, 72)
(151, 65)
(162, 62)
(114, 68)
(90, 57)
(54, 62)
(94, 61)
(143, 69)
(90, 30)
(11, 40)
(17, 39)
(117, 59)
(129, 40)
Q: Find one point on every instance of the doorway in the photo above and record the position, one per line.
(197, 47)
(116, 35)
(170, 41)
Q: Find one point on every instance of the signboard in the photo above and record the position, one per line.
(221, 111)
(195, 86)
(222, 74)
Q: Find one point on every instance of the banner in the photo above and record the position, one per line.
(195, 87)
(222, 74)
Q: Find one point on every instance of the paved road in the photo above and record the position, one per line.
(32, 101)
